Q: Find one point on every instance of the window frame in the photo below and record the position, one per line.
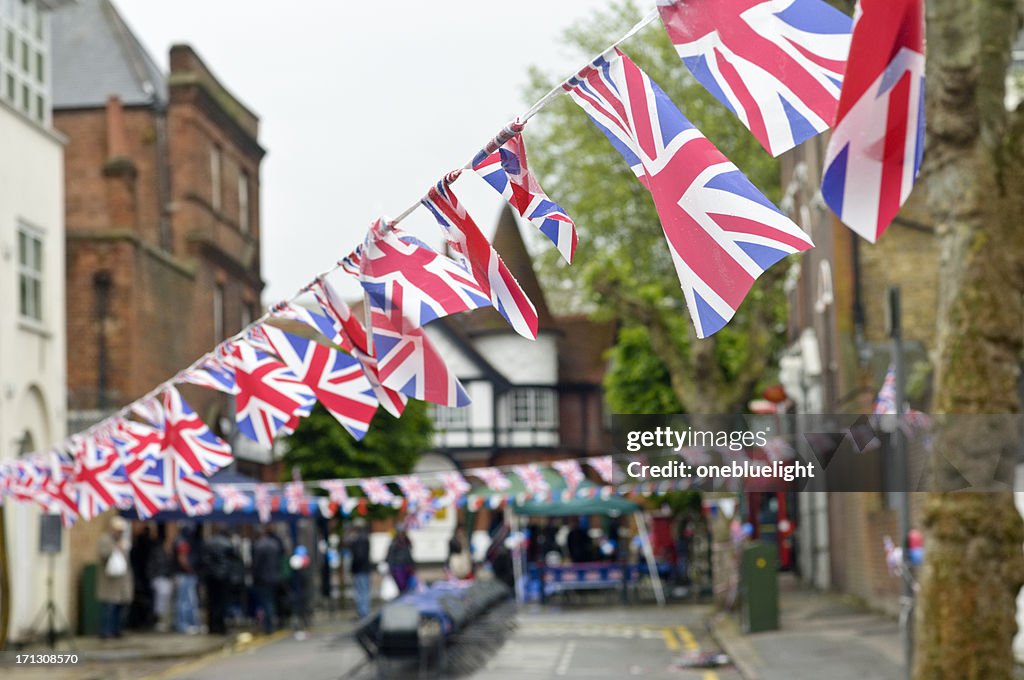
(27, 271)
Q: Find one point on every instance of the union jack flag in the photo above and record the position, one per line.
(264, 503)
(336, 379)
(604, 467)
(401, 273)
(777, 64)
(410, 363)
(722, 232)
(571, 472)
(192, 490)
(533, 479)
(350, 335)
(270, 397)
(336, 490)
(212, 373)
(60, 489)
(25, 478)
(149, 410)
(778, 448)
(455, 485)
(377, 492)
(875, 150)
(187, 439)
(232, 498)
(99, 475)
(295, 500)
(477, 255)
(885, 402)
(505, 169)
(145, 466)
(416, 493)
(493, 477)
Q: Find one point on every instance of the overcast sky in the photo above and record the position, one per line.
(363, 105)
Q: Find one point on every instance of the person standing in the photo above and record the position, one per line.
(361, 567)
(186, 583)
(400, 562)
(114, 584)
(300, 563)
(160, 571)
(218, 562)
(460, 561)
(266, 575)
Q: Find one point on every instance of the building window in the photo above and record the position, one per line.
(215, 188)
(243, 202)
(447, 418)
(218, 313)
(531, 408)
(24, 60)
(30, 273)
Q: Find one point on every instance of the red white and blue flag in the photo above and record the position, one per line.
(475, 253)
(232, 498)
(417, 495)
(493, 477)
(455, 485)
(60, 489)
(604, 467)
(377, 492)
(211, 373)
(350, 335)
(722, 232)
(777, 64)
(188, 441)
(295, 500)
(533, 479)
(505, 169)
(885, 402)
(99, 475)
(264, 503)
(402, 274)
(336, 379)
(148, 471)
(192, 490)
(270, 398)
(571, 472)
(876, 146)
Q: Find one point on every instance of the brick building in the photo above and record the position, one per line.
(837, 362)
(162, 211)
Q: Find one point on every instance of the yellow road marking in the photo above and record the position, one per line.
(195, 664)
(710, 675)
(687, 637)
(670, 639)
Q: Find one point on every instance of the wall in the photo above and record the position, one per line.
(32, 363)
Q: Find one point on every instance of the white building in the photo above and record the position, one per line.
(32, 363)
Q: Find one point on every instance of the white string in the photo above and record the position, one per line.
(532, 111)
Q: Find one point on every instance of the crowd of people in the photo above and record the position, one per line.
(164, 578)
(154, 580)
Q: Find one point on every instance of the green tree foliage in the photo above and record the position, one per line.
(623, 265)
(323, 449)
(637, 380)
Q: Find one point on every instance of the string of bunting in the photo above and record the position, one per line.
(781, 68)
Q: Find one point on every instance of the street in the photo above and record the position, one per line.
(569, 642)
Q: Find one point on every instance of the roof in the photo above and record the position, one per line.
(582, 349)
(508, 241)
(96, 55)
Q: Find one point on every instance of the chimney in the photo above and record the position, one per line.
(119, 169)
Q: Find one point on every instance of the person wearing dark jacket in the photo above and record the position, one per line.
(359, 548)
(267, 555)
(400, 561)
(218, 566)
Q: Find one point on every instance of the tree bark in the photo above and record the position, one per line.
(973, 178)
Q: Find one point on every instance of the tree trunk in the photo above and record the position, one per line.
(973, 178)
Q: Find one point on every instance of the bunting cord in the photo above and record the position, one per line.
(507, 132)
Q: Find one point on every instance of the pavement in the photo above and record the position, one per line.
(817, 631)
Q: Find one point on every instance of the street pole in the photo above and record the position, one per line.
(903, 475)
